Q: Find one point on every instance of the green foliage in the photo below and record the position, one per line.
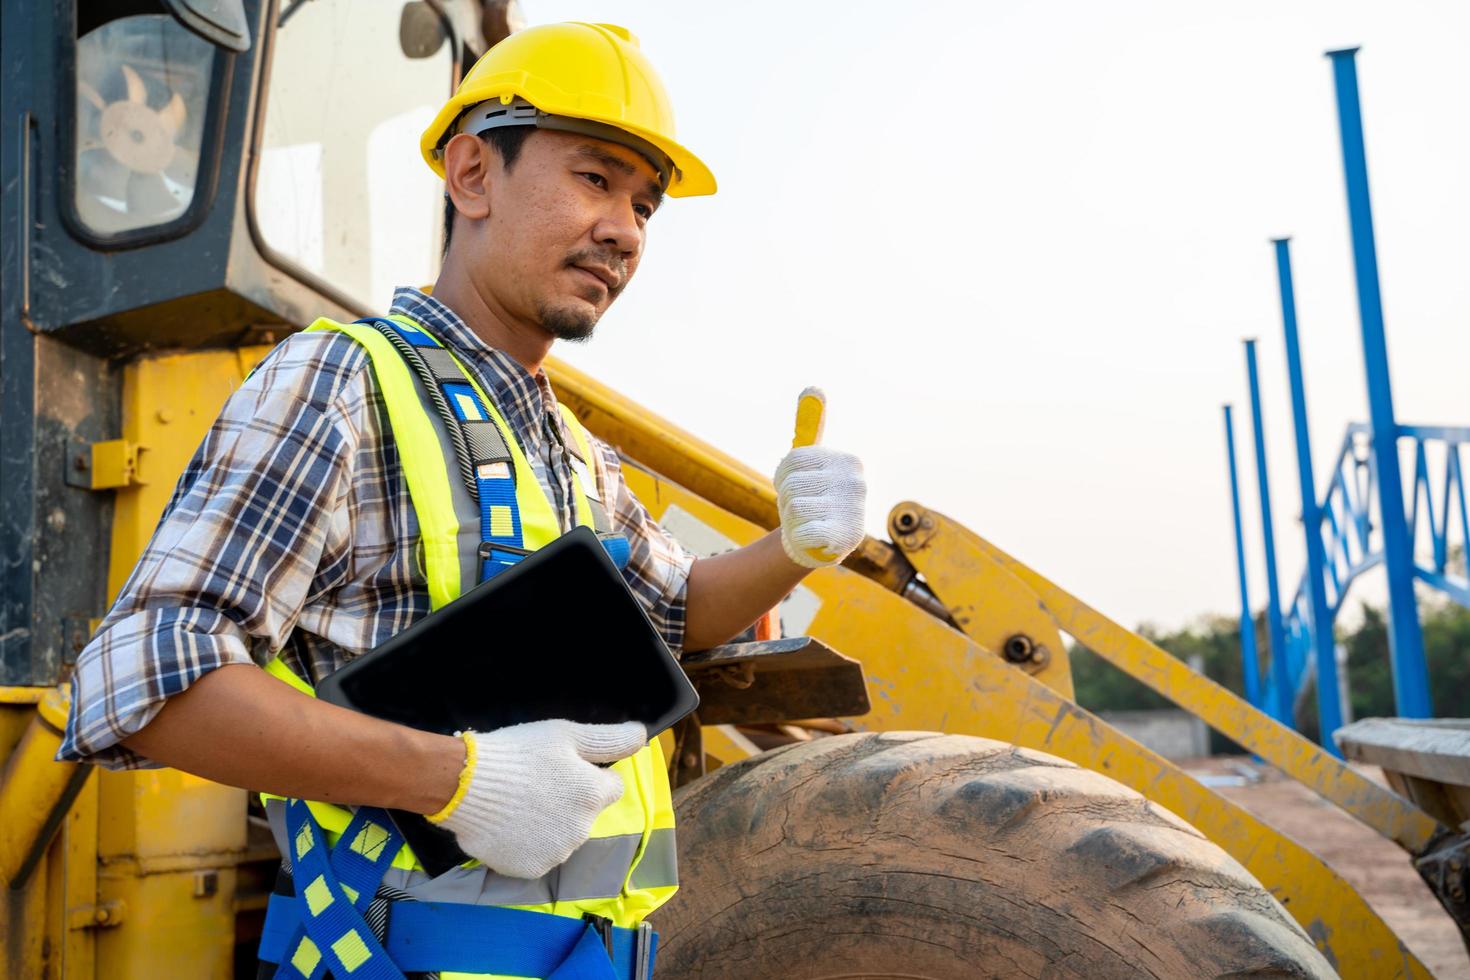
(1213, 639)
(1216, 640)
(1446, 649)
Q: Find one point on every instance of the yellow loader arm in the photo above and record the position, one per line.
(975, 647)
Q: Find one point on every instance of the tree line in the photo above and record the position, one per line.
(1216, 640)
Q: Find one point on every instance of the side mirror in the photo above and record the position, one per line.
(220, 22)
(421, 30)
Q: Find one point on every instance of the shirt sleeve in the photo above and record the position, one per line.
(658, 566)
(257, 527)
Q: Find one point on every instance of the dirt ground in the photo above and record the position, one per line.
(1377, 868)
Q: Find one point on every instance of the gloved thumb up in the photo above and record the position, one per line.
(607, 743)
(528, 794)
(820, 492)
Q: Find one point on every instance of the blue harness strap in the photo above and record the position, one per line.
(333, 890)
(490, 474)
(322, 927)
(429, 936)
(488, 471)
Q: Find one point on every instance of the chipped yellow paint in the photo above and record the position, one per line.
(986, 600)
(169, 402)
(1292, 753)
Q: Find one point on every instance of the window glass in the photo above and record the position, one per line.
(142, 89)
(341, 189)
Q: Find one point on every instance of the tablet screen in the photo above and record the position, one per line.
(557, 636)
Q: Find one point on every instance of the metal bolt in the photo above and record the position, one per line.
(909, 541)
(927, 522)
(164, 416)
(1018, 649)
(906, 520)
(690, 760)
(1038, 656)
(100, 915)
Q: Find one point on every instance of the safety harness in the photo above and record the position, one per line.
(323, 926)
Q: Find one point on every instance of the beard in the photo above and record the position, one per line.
(573, 322)
(564, 324)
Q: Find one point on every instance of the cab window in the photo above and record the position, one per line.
(341, 193)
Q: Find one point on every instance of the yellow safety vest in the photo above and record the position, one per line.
(627, 868)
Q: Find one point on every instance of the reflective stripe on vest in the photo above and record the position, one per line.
(627, 868)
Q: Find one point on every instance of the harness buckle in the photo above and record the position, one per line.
(604, 927)
(488, 546)
(643, 953)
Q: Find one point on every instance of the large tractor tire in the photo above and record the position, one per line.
(937, 857)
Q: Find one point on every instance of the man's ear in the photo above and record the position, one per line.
(467, 165)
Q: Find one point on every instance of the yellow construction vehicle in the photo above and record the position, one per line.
(938, 806)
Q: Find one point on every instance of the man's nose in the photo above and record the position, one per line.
(618, 228)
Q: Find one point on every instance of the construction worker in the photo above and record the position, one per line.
(326, 511)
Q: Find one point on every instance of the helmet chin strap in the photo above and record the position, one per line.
(494, 114)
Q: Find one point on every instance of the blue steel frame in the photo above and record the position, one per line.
(1278, 702)
(1346, 527)
(1250, 659)
(1342, 537)
(1361, 521)
(1406, 640)
(1319, 632)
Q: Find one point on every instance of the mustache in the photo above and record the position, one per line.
(608, 258)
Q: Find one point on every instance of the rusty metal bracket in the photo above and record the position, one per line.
(1445, 868)
(107, 465)
(775, 681)
(983, 599)
(739, 676)
(687, 765)
(102, 915)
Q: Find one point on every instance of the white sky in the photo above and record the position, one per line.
(1018, 244)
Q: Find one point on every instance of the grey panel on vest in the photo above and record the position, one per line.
(485, 443)
(275, 815)
(441, 363)
(600, 522)
(597, 869)
(659, 866)
(571, 443)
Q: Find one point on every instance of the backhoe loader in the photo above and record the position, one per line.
(899, 783)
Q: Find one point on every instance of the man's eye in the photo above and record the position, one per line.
(643, 211)
(597, 180)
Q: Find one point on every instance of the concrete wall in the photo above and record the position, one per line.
(1172, 733)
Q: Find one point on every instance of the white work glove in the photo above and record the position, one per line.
(529, 793)
(820, 492)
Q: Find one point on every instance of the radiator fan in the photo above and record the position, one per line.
(131, 171)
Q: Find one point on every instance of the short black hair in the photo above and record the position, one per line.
(507, 141)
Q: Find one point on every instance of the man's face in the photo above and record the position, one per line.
(566, 229)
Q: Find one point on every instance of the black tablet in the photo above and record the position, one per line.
(559, 635)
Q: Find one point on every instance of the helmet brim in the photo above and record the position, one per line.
(691, 178)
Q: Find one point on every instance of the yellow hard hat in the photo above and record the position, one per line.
(585, 78)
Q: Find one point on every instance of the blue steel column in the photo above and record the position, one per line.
(1250, 660)
(1405, 639)
(1324, 650)
(1280, 704)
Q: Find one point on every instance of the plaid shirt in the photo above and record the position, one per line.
(291, 531)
